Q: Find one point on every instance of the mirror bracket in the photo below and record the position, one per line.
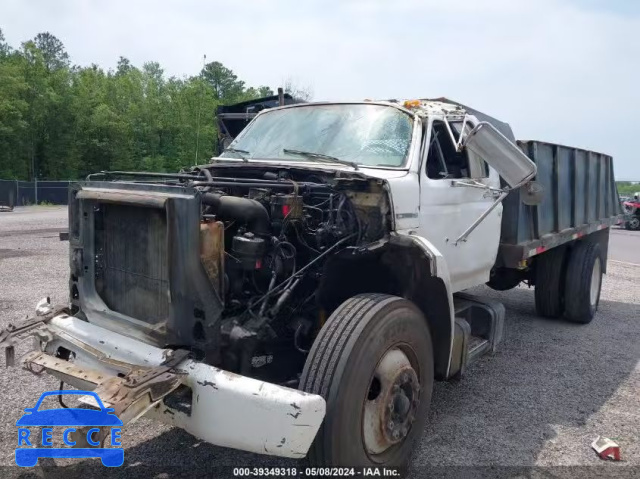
(459, 143)
(463, 237)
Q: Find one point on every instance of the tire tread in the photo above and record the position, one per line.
(578, 283)
(325, 354)
(549, 290)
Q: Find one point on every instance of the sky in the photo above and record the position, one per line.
(563, 71)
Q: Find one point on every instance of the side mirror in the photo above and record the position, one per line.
(501, 154)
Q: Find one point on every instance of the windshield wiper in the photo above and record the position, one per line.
(241, 153)
(322, 157)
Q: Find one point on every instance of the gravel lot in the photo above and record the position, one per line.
(541, 401)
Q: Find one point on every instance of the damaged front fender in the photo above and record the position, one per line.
(135, 378)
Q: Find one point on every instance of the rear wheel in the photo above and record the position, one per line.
(373, 364)
(633, 223)
(583, 282)
(549, 289)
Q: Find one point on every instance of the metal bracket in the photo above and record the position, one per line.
(474, 225)
(130, 396)
(141, 389)
(15, 333)
(458, 144)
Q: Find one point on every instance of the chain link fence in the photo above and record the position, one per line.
(24, 193)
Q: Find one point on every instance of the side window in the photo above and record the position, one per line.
(443, 161)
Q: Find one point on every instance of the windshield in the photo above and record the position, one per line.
(368, 135)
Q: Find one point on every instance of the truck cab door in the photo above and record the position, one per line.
(447, 210)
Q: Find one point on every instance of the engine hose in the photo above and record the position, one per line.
(284, 297)
(296, 337)
(300, 272)
(272, 283)
(243, 209)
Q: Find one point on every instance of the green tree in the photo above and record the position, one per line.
(223, 81)
(5, 49)
(13, 118)
(53, 53)
(59, 121)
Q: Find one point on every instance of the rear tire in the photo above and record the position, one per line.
(549, 291)
(373, 363)
(583, 282)
(633, 224)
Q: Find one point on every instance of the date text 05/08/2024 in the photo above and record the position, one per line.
(316, 472)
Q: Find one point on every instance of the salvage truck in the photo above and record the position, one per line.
(299, 295)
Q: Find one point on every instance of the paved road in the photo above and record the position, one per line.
(540, 401)
(624, 245)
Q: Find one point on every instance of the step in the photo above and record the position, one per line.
(479, 326)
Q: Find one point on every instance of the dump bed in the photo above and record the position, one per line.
(580, 197)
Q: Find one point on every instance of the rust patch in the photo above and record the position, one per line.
(230, 376)
(212, 253)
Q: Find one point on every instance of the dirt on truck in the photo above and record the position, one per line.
(299, 295)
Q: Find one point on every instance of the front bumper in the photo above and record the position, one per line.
(135, 378)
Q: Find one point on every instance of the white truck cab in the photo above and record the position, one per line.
(299, 295)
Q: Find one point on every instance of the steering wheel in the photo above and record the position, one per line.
(381, 146)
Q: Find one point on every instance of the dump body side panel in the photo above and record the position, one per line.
(580, 197)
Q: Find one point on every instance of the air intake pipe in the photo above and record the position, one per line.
(241, 209)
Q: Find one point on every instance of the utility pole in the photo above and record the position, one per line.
(35, 175)
(204, 62)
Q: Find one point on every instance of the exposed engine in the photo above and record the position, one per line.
(279, 250)
(265, 241)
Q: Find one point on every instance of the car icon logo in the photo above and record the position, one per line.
(72, 419)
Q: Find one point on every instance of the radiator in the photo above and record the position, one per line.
(132, 267)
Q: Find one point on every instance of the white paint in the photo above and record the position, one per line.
(441, 270)
(228, 409)
(446, 211)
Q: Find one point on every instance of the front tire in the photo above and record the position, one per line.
(373, 364)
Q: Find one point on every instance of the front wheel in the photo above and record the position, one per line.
(373, 364)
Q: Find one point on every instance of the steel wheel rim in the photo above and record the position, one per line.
(634, 222)
(390, 407)
(595, 283)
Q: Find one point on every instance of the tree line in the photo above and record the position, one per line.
(627, 188)
(63, 121)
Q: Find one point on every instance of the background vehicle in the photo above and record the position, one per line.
(232, 119)
(328, 250)
(632, 210)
